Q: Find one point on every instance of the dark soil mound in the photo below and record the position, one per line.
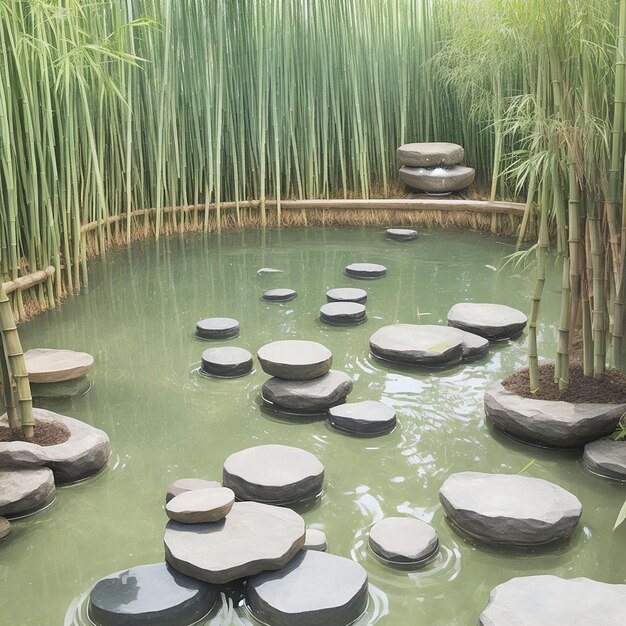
(46, 434)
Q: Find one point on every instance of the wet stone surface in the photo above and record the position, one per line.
(606, 458)
(217, 328)
(403, 540)
(401, 234)
(343, 313)
(368, 417)
(227, 362)
(25, 491)
(279, 295)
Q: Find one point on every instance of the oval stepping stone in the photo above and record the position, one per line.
(279, 295)
(366, 270)
(606, 458)
(201, 505)
(217, 328)
(25, 491)
(252, 538)
(45, 365)
(294, 359)
(274, 474)
(150, 594)
(183, 485)
(554, 601)
(363, 418)
(510, 509)
(307, 396)
(429, 154)
(438, 180)
(5, 527)
(492, 321)
(227, 362)
(343, 313)
(315, 540)
(403, 540)
(401, 234)
(314, 588)
(346, 294)
(269, 270)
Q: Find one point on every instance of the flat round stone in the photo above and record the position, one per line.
(293, 359)
(314, 588)
(227, 362)
(346, 294)
(274, 474)
(368, 417)
(429, 154)
(25, 491)
(45, 365)
(217, 328)
(252, 538)
(366, 270)
(554, 601)
(315, 540)
(5, 527)
(307, 396)
(510, 509)
(279, 295)
(492, 321)
(201, 505)
(343, 313)
(150, 594)
(403, 540)
(606, 458)
(183, 485)
(401, 234)
(437, 180)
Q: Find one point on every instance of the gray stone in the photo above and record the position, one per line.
(199, 506)
(5, 527)
(279, 295)
(25, 491)
(369, 417)
(493, 321)
(307, 396)
(314, 589)
(606, 458)
(150, 594)
(66, 389)
(268, 270)
(227, 362)
(554, 601)
(183, 485)
(366, 270)
(346, 294)
(85, 453)
(274, 474)
(252, 538)
(404, 540)
(401, 234)
(438, 180)
(46, 365)
(293, 359)
(509, 508)
(550, 423)
(217, 328)
(343, 313)
(429, 154)
(315, 540)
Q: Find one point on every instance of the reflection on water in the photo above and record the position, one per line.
(167, 422)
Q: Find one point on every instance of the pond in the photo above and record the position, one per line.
(167, 422)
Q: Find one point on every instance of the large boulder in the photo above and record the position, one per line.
(294, 359)
(493, 321)
(25, 491)
(438, 180)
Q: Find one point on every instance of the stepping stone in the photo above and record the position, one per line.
(429, 154)
(554, 601)
(274, 474)
(314, 588)
(84, 454)
(269, 270)
(315, 540)
(45, 365)
(293, 359)
(366, 270)
(66, 389)
(492, 321)
(369, 417)
(425, 344)
(252, 538)
(279, 295)
(5, 527)
(314, 397)
(606, 458)
(438, 180)
(183, 485)
(201, 505)
(25, 491)
(510, 509)
(217, 328)
(346, 294)
(548, 422)
(150, 594)
(403, 540)
(343, 313)
(227, 362)
(401, 234)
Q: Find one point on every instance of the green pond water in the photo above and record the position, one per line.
(167, 422)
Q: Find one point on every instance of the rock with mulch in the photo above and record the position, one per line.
(366, 418)
(346, 294)
(437, 180)
(5, 527)
(25, 491)
(401, 234)
(294, 359)
(315, 540)
(183, 485)
(217, 328)
(430, 154)
(279, 295)
(403, 540)
(553, 601)
(366, 270)
(201, 505)
(227, 362)
(46, 365)
(606, 458)
(343, 313)
(492, 321)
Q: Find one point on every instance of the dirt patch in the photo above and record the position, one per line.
(46, 433)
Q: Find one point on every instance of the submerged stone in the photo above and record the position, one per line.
(46, 365)
(403, 540)
(368, 417)
(606, 458)
(293, 359)
(437, 180)
(217, 328)
(315, 539)
(429, 154)
(492, 321)
(66, 389)
(279, 295)
(183, 485)
(346, 294)
(201, 505)
(343, 313)
(25, 491)
(366, 270)
(401, 234)
(227, 362)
